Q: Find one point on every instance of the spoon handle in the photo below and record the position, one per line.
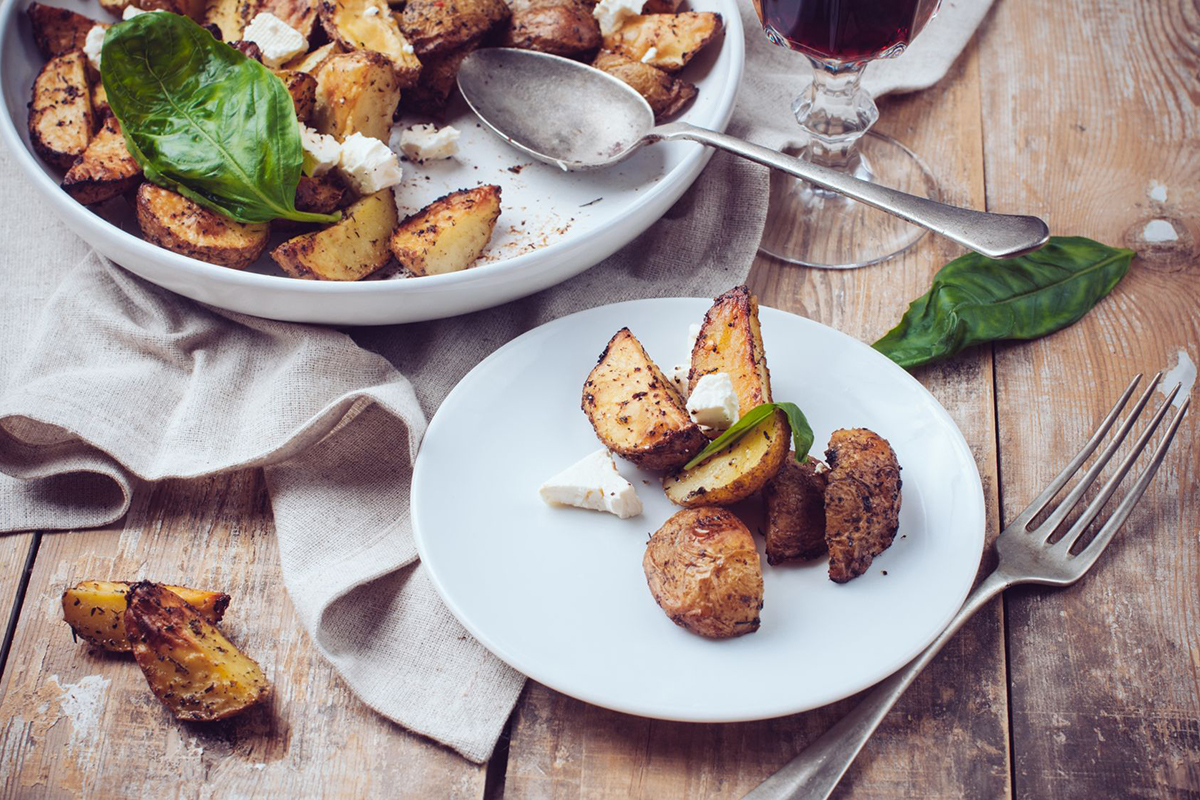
(993, 235)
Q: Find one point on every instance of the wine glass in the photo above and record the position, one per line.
(812, 226)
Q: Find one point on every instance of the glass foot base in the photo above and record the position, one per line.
(816, 228)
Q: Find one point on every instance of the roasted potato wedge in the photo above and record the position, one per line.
(170, 220)
(730, 341)
(674, 37)
(347, 250)
(348, 23)
(100, 108)
(57, 30)
(95, 610)
(105, 170)
(437, 81)
(61, 119)
(666, 94)
(704, 572)
(228, 16)
(565, 29)
(736, 472)
(356, 92)
(435, 26)
(322, 195)
(300, 14)
(635, 409)
(795, 504)
(191, 667)
(449, 234)
(303, 88)
(862, 501)
(311, 61)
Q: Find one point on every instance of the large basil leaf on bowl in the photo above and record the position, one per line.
(204, 120)
(975, 299)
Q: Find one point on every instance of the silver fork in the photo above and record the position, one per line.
(1026, 556)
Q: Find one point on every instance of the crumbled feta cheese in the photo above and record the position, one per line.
(94, 43)
(593, 482)
(650, 55)
(371, 11)
(679, 377)
(407, 48)
(693, 335)
(130, 12)
(713, 403)
(278, 41)
(429, 143)
(611, 14)
(321, 151)
(369, 164)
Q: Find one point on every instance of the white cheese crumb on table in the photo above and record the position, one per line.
(713, 403)
(429, 143)
(594, 483)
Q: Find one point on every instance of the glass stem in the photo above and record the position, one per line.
(834, 112)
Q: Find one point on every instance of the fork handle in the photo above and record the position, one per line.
(815, 773)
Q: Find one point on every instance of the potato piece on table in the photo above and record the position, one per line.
(303, 89)
(191, 667)
(449, 234)
(347, 250)
(674, 37)
(435, 26)
(61, 119)
(666, 94)
(565, 29)
(862, 501)
(57, 30)
(105, 170)
(356, 93)
(795, 501)
(170, 220)
(95, 610)
(635, 409)
(704, 572)
(348, 23)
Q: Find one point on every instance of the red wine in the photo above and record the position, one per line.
(844, 30)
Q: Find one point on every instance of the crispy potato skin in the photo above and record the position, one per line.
(61, 119)
(57, 30)
(730, 341)
(437, 81)
(795, 503)
(105, 170)
(439, 26)
(303, 88)
(345, 22)
(449, 234)
(95, 610)
(322, 195)
(191, 667)
(565, 29)
(704, 572)
(348, 250)
(666, 95)
(675, 37)
(356, 92)
(173, 221)
(636, 411)
(862, 501)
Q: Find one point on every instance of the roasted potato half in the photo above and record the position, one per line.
(191, 667)
(303, 88)
(564, 29)
(105, 170)
(704, 572)
(311, 61)
(635, 409)
(736, 472)
(730, 341)
(170, 220)
(666, 95)
(795, 502)
(348, 23)
(435, 26)
(674, 37)
(356, 93)
(449, 234)
(437, 81)
(347, 250)
(95, 610)
(862, 501)
(57, 30)
(322, 195)
(61, 119)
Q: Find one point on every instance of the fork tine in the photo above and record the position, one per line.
(1023, 519)
(1071, 536)
(1087, 557)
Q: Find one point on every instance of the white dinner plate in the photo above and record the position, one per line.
(553, 225)
(559, 593)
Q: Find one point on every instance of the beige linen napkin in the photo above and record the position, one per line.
(107, 382)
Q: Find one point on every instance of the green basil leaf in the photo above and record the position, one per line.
(802, 435)
(975, 299)
(204, 120)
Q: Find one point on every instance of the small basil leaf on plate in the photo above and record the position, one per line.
(975, 299)
(802, 435)
(204, 120)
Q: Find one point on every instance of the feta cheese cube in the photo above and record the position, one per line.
(321, 151)
(693, 335)
(679, 376)
(593, 482)
(713, 403)
(429, 143)
(93, 44)
(368, 164)
(278, 41)
(611, 14)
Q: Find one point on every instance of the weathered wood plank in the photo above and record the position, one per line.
(949, 736)
(75, 723)
(14, 549)
(1094, 121)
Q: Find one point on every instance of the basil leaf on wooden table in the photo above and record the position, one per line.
(204, 120)
(975, 299)
(802, 435)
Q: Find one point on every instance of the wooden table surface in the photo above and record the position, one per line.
(1070, 109)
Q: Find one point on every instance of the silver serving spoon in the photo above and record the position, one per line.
(574, 116)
